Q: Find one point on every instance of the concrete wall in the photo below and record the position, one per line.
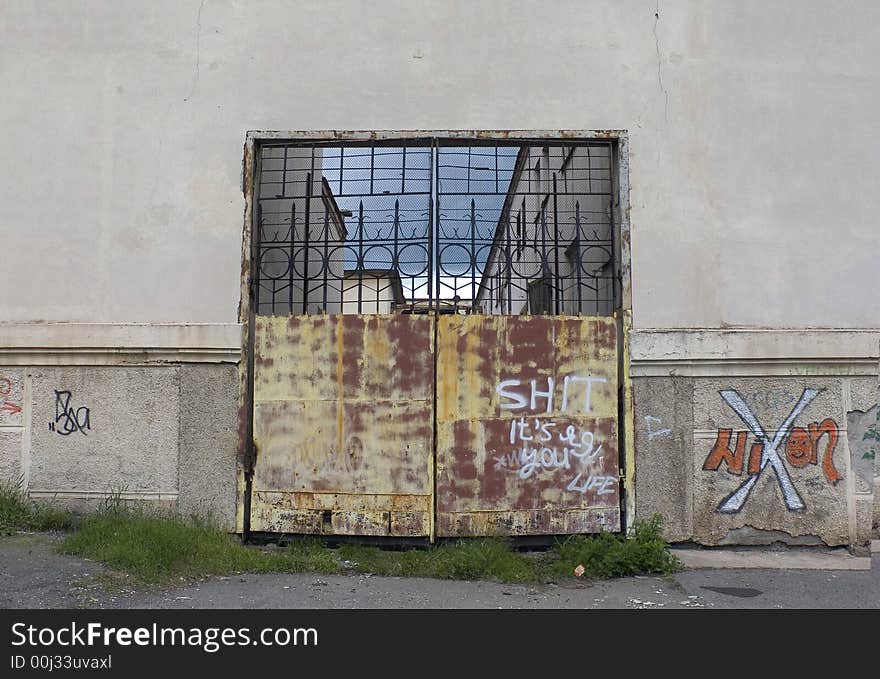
(752, 157)
(120, 426)
(695, 438)
(752, 163)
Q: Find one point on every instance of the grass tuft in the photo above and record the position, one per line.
(18, 512)
(476, 559)
(609, 555)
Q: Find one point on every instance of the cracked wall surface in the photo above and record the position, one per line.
(757, 460)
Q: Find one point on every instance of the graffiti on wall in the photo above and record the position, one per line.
(800, 447)
(655, 430)
(69, 419)
(568, 396)
(539, 445)
(5, 392)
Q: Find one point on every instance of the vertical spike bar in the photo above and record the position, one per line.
(291, 252)
(473, 252)
(307, 228)
(557, 280)
(615, 295)
(580, 254)
(326, 258)
(360, 260)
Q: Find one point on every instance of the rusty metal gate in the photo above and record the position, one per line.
(526, 425)
(435, 349)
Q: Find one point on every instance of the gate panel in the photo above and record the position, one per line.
(343, 425)
(526, 425)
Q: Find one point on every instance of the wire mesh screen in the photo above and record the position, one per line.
(428, 225)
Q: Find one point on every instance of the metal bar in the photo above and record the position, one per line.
(431, 208)
(544, 266)
(257, 263)
(403, 171)
(492, 193)
(507, 265)
(579, 262)
(557, 281)
(360, 261)
(290, 254)
(473, 253)
(589, 169)
(341, 169)
(445, 193)
(372, 167)
(615, 240)
(284, 174)
(395, 264)
(408, 193)
(254, 258)
(326, 258)
(305, 308)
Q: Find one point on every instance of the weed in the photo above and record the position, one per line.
(609, 555)
(156, 548)
(18, 512)
(476, 559)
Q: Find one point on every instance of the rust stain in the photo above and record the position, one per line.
(343, 427)
(520, 459)
(340, 375)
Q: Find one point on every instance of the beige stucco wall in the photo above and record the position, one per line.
(753, 145)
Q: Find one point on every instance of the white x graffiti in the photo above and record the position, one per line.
(735, 501)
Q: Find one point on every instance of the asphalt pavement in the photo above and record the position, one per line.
(34, 576)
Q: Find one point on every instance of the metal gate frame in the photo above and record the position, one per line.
(246, 454)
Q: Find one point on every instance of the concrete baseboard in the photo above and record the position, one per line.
(808, 560)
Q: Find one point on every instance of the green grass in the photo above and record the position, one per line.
(475, 559)
(17, 513)
(158, 548)
(607, 555)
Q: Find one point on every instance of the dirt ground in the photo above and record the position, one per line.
(34, 576)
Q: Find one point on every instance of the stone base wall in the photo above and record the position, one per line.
(729, 455)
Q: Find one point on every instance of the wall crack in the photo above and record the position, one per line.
(660, 63)
(195, 81)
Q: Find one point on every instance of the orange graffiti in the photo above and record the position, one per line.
(801, 449)
(826, 426)
(755, 455)
(721, 452)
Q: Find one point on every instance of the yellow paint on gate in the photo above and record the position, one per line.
(343, 424)
(629, 439)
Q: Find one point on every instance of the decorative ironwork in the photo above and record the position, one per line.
(432, 225)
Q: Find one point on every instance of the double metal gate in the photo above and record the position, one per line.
(395, 393)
